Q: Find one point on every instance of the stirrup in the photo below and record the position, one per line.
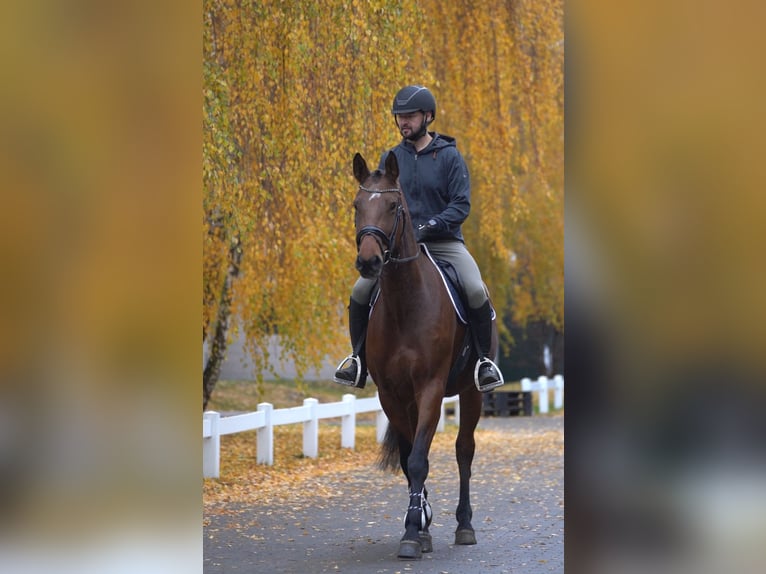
(490, 386)
(346, 382)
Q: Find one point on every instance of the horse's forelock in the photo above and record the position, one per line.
(378, 175)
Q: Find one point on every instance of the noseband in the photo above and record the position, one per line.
(386, 241)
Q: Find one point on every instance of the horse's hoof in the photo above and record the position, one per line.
(426, 543)
(410, 550)
(465, 537)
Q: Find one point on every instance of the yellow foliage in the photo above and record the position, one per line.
(292, 90)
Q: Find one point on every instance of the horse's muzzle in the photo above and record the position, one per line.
(369, 268)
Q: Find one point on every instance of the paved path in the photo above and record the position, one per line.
(518, 505)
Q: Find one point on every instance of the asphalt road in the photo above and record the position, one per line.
(518, 506)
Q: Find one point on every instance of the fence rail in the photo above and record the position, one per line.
(263, 421)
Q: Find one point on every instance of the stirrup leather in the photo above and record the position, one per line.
(490, 386)
(355, 382)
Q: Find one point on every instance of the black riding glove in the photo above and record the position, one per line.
(430, 229)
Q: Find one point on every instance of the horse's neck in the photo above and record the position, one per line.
(409, 245)
(407, 284)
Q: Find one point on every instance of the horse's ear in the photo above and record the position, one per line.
(392, 166)
(361, 172)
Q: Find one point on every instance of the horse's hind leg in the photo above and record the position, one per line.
(465, 446)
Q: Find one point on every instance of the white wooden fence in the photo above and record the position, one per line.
(266, 418)
(542, 385)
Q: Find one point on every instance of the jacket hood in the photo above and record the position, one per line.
(439, 141)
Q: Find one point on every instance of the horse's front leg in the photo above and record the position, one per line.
(417, 539)
(465, 447)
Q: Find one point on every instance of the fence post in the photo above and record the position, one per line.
(457, 412)
(381, 423)
(526, 385)
(211, 447)
(265, 444)
(558, 393)
(311, 430)
(348, 422)
(543, 395)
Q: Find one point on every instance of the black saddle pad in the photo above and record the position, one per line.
(455, 288)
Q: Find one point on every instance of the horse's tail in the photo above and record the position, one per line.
(388, 459)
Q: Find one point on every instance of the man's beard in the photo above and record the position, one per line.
(416, 135)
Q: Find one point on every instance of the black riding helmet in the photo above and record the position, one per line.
(415, 99)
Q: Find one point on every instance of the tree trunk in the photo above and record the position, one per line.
(212, 370)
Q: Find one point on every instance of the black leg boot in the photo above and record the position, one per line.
(487, 375)
(352, 371)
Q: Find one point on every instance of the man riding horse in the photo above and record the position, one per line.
(435, 181)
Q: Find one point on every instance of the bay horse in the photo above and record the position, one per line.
(413, 339)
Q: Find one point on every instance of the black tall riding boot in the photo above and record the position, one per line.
(487, 375)
(352, 371)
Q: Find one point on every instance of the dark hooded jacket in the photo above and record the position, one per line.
(435, 183)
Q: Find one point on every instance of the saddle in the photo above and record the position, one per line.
(451, 281)
(456, 292)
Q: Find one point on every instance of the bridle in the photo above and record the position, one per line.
(387, 242)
